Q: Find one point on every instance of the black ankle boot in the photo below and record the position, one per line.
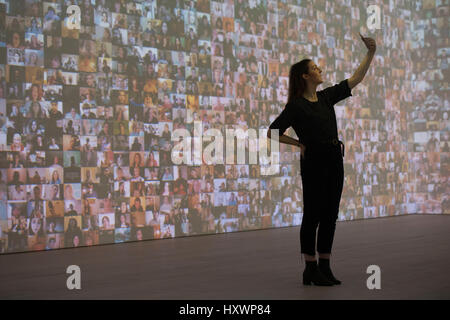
(324, 267)
(313, 275)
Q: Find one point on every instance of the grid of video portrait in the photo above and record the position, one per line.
(89, 99)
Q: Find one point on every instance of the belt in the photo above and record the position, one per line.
(335, 142)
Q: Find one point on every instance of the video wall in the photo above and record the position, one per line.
(91, 91)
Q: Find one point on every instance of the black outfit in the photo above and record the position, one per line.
(322, 168)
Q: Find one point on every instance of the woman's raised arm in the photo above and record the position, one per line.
(361, 71)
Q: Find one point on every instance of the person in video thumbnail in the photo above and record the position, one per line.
(73, 231)
(34, 106)
(17, 143)
(321, 159)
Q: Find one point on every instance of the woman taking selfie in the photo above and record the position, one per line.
(311, 114)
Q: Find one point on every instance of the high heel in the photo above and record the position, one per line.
(312, 275)
(324, 267)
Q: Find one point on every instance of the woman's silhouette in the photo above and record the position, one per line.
(322, 171)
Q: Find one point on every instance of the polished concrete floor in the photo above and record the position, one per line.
(412, 252)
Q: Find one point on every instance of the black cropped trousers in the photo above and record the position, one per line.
(322, 172)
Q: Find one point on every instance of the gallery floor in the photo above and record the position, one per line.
(412, 252)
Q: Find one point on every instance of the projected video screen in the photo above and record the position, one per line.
(91, 91)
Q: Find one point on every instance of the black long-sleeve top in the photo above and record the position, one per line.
(313, 121)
